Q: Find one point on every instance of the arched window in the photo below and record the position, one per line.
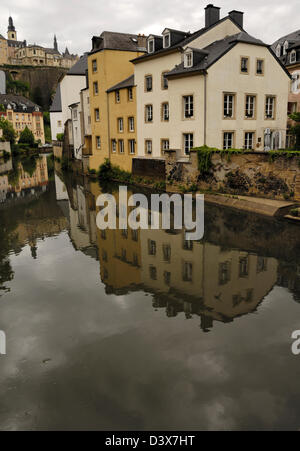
(285, 47)
(293, 56)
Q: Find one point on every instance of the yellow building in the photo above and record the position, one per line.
(3, 50)
(122, 123)
(23, 113)
(108, 64)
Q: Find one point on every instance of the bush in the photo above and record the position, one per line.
(294, 212)
(26, 137)
(60, 137)
(8, 131)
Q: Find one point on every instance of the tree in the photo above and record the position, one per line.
(295, 130)
(9, 133)
(26, 137)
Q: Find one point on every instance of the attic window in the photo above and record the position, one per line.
(278, 51)
(285, 47)
(188, 59)
(151, 46)
(167, 40)
(293, 57)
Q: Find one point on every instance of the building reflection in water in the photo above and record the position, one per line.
(214, 282)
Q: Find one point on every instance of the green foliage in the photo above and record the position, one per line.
(109, 172)
(16, 86)
(295, 130)
(2, 107)
(205, 153)
(29, 165)
(160, 186)
(65, 164)
(8, 131)
(92, 171)
(60, 137)
(26, 137)
(47, 127)
(295, 212)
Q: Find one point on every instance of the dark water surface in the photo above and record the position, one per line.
(143, 331)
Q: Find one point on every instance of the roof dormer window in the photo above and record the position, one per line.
(188, 59)
(278, 51)
(285, 47)
(167, 40)
(293, 57)
(151, 46)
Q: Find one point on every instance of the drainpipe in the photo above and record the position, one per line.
(205, 105)
(108, 125)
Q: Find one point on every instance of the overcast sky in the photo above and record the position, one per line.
(76, 21)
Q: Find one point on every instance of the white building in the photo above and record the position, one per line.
(218, 87)
(70, 87)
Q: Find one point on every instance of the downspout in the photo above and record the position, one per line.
(108, 125)
(205, 105)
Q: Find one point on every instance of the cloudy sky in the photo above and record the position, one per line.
(76, 21)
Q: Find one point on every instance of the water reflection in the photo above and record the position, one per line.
(220, 278)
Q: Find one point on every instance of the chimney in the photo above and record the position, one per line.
(237, 17)
(212, 15)
(142, 40)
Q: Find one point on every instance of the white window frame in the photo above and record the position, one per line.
(278, 51)
(117, 96)
(131, 124)
(270, 107)
(165, 112)
(167, 35)
(114, 146)
(188, 142)
(229, 100)
(249, 141)
(250, 106)
(97, 115)
(148, 146)
(163, 144)
(131, 147)
(151, 42)
(120, 125)
(228, 140)
(188, 106)
(121, 146)
(149, 113)
(293, 53)
(148, 77)
(98, 142)
(285, 47)
(188, 59)
(96, 88)
(130, 94)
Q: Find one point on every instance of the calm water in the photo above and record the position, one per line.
(142, 331)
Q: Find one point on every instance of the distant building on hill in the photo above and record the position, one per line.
(17, 52)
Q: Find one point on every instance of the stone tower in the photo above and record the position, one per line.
(11, 31)
(55, 43)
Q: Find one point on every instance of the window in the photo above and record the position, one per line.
(243, 266)
(278, 51)
(229, 105)
(120, 125)
(148, 83)
(98, 142)
(131, 124)
(250, 107)
(59, 123)
(151, 247)
(188, 142)
(167, 40)
(152, 272)
(164, 81)
(285, 47)
(295, 82)
(188, 105)
(187, 272)
(249, 141)
(148, 146)
(94, 66)
(224, 273)
(167, 253)
(293, 56)
(188, 245)
(134, 235)
(244, 65)
(167, 277)
(130, 94)
(121, 146)
(165, 111)
(149, 113)
(262, 264)
(292, 107)
(131, 146)
(117, 96)
(270, 107)
(151, 46)
(260, 67)
(96, 90)
(228, 140)
(97, 115)
(188, 59)
(113, 146)
(165, 145)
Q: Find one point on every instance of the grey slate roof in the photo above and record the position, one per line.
(56, 103)
(215, 51)
(292, 37)
(80, 67)
(127, 83)
(118, 41)
(17, 102)
(186, 40)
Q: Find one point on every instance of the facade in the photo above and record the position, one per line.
(108, 64)
(218, 87)
(67, 94)
(287, 49)
(23, 113)
(122, 123)
(17, 52)
(86, 121)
